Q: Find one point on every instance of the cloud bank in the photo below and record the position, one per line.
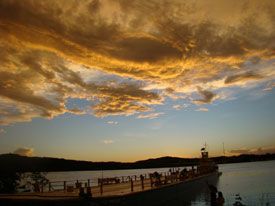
(124, 57)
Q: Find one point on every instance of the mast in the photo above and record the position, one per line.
(204, 152)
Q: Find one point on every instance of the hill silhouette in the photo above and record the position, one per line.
(17, 163)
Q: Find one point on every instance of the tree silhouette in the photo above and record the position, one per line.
(9, 181)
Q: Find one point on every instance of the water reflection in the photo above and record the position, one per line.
(194, 193)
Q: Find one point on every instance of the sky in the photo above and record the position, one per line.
(120, 80)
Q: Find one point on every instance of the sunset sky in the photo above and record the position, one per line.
(124, 80)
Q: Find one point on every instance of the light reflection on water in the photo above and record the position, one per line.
(254, 181)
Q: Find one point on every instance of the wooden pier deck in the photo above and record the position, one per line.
(108, 190)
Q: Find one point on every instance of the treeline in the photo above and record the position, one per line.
(244, 158)
(17, 163)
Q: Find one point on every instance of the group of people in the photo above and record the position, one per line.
(216, 200)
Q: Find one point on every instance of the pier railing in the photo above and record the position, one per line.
(105, 185)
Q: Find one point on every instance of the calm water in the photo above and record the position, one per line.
(254, 181)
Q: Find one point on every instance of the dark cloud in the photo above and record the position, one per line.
(144, 49)
(244, 77)
(13, 87)
(207, 97)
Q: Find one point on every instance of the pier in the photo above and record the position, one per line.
(104, 187)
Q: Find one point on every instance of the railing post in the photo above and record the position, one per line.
(89, 192)
(142, 182)
(101, 187)
(135, 178)
(76, 184)
(132, 185)
(88, 182)
(65, 183)
(81, 191)
(50, 185)
(151, 181)
(42, 188)
(122, 178)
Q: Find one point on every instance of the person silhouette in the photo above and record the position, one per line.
(213, 191)
(220, 199)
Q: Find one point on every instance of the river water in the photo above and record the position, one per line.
(253, 181)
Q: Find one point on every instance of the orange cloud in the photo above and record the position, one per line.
(179, 107)
(176, 107)
(108, 141)
(24, 151)
(202, 109)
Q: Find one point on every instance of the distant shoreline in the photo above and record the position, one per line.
(17, 163)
